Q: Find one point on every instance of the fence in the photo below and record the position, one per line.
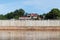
(29, 22)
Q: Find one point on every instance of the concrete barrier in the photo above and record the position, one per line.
(29, 22)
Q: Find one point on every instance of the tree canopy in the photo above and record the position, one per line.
(16, 14)
(53, 14)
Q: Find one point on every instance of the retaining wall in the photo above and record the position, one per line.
(29, 22)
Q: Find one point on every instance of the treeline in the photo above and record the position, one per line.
(16, 14)
(53, 14)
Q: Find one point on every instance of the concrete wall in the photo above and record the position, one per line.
(29, 22)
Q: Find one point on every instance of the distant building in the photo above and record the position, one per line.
(24, 18)
(32, 16)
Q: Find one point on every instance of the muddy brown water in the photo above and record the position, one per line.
(29, 34)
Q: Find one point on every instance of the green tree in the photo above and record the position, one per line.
(53, 14)
(16, 14)
(16, 17)
(25, 14)
(9, 15)
(1, 17)
(21, 12)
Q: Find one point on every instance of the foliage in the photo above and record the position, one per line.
(2, 17)
(53, 14)
(16, 14)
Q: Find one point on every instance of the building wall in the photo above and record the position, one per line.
(29, 22)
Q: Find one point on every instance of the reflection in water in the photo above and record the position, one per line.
(29, 35)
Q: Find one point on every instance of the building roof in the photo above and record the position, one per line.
(33, 14)
(24, 18)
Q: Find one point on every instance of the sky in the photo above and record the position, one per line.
(30, 6)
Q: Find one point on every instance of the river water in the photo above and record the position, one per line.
(29, 35)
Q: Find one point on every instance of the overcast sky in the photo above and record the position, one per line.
(30, 6)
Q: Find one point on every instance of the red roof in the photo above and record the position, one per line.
(33, 14)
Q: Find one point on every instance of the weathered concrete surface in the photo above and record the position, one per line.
(30, 23)
(34, 33)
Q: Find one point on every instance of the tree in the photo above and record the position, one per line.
(16, 14)
(16, 17)
(21, 12)
(9, 15)
(53, 14)
(2, 17)
(25, 14)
